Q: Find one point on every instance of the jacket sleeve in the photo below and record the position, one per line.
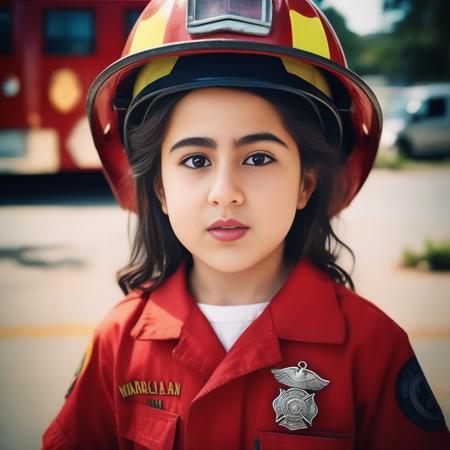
(87, 419)
(395, 407)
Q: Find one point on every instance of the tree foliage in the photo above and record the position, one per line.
(417, 50)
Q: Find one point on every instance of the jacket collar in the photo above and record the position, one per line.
(305, 309)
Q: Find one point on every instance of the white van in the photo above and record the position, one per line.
(417, 121)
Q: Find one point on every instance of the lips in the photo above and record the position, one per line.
(228, 234)
(227, 224)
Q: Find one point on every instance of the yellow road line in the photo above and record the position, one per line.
(83, 329)
(38, 331)
(430, 333)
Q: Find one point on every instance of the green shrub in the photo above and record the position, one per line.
(390, 160)
(435, 256)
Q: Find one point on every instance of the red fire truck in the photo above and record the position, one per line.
(50, 52)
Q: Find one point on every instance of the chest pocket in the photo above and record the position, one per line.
(147, 427)
(280, 441)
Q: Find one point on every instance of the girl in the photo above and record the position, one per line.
(244, 134)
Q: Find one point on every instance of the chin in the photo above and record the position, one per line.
(230, 263)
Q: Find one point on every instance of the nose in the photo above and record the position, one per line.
(225, 188)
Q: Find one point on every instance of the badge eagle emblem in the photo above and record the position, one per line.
(295, 409)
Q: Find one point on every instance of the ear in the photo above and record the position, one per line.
(308, 183)
(159, 191)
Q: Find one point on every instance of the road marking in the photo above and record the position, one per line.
(82, 329)
(39, 331)
(430, 333)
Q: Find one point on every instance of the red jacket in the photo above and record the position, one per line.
(158, 377)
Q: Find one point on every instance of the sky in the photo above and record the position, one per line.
(363, 16)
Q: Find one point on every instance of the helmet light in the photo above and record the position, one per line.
(239, 16)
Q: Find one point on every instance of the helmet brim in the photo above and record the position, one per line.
(362, 112)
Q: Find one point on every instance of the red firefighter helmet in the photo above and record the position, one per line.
(285, 45)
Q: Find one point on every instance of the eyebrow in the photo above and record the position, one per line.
(210, 143)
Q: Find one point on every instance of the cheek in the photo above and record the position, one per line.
(183, 209)
(180, 207)
(278, 189)
(274, 201)
(182, 191)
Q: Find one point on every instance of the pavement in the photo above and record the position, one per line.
(57, 280)
(398, 210)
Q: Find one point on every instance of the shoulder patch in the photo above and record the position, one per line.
(81, 367)
(415, 398)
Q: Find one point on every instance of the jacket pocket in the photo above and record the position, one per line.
(147, 427)
(280, 441)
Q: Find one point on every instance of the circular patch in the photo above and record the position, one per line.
(415, 398)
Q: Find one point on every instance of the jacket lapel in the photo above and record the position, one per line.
(172, 313)
(258, 347)
(305, 309)
(199, 346)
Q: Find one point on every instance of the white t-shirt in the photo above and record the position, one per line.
(229, 322)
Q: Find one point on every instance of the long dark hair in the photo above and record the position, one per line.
(157, 252)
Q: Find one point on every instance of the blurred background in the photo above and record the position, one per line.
(63, 237)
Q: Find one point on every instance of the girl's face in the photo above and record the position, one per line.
(226, 155)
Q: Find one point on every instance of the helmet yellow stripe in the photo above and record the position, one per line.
(150, 32)
(153, 71)
(159, 68)
(308, 73)
(308, 34)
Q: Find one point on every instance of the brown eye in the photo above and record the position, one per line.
(197, 161)
(259, 158)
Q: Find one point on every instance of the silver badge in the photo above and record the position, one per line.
(295, 408)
